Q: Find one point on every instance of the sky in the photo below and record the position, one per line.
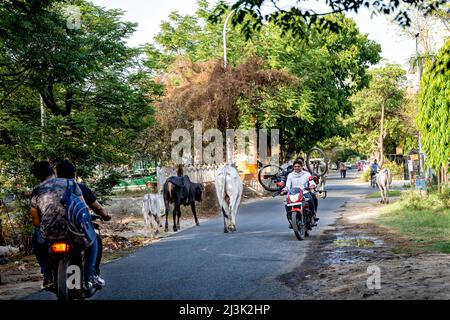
(150, 13)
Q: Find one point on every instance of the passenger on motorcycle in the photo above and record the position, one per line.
(301, 179)
(48, 217)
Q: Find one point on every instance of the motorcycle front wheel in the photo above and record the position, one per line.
(268, 176)
(298, 225)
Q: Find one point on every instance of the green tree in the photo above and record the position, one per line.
(377, 120)
(434, 112)
(96, 93)
(195, 37)
(329, 68)
(298, 19)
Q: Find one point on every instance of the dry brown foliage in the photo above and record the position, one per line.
(207, 92)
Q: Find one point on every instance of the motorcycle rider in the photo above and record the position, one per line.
(48, 217)
(374, 168)
(313, 195)
(66, 169)
(300, 179)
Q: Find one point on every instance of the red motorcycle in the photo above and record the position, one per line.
(302, 218)
(298, 212)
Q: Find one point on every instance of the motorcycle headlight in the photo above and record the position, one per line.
(294, 197)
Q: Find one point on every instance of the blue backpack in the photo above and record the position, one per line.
(77, 215)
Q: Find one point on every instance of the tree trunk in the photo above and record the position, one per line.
(439, 171)
(381, 160)
(2, 241)
(445, 176)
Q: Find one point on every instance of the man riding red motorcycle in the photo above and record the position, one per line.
(305, 181)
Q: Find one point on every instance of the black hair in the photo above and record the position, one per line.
(42, 169)
(65, 169)
(298, 161)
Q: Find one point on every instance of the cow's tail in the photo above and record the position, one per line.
(169, 189)
(225, 196)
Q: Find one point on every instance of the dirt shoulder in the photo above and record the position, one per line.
(337, 265)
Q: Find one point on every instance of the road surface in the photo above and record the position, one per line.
(203, 263)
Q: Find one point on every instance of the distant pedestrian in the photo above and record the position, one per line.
(360, 166)
(343, 169)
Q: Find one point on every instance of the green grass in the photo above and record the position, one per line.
(392, 193)
(425, 220)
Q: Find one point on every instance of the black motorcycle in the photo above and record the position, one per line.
(67, 262)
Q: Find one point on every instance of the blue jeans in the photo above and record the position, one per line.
(40, 249)
(91, 258)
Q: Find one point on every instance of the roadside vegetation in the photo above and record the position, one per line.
(424, 219)
(392, 193)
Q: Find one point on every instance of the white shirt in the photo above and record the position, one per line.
(299, 180)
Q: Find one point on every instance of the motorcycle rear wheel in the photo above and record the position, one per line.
(298, 225)
(62, 292)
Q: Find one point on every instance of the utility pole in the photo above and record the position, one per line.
(419, 70)
(382, 132)
(225, 39)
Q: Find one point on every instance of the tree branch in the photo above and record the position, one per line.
(15, 73)
(10, 92)
(49, 100)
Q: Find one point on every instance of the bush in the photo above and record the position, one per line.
(396, 169)
(415, 200)
(365, 176)
(16, 225)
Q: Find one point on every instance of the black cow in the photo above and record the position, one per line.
(181, 191)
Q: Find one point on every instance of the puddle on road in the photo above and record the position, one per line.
(360, 243)
(347, 250)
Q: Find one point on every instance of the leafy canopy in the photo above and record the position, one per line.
(97, 94)
(297, 19)
(434, 109)
(329, 68)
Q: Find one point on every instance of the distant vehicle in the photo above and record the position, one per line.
(348, 165)
(334, 166)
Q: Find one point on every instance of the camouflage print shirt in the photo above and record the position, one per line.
(47, 197)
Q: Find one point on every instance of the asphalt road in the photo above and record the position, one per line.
(203, 263)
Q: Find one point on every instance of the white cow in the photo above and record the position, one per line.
(152, 206)
(384, 180)
(229, 189)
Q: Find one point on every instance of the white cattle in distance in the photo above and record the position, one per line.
(152, 207)
(384, 180)
(229, 190)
